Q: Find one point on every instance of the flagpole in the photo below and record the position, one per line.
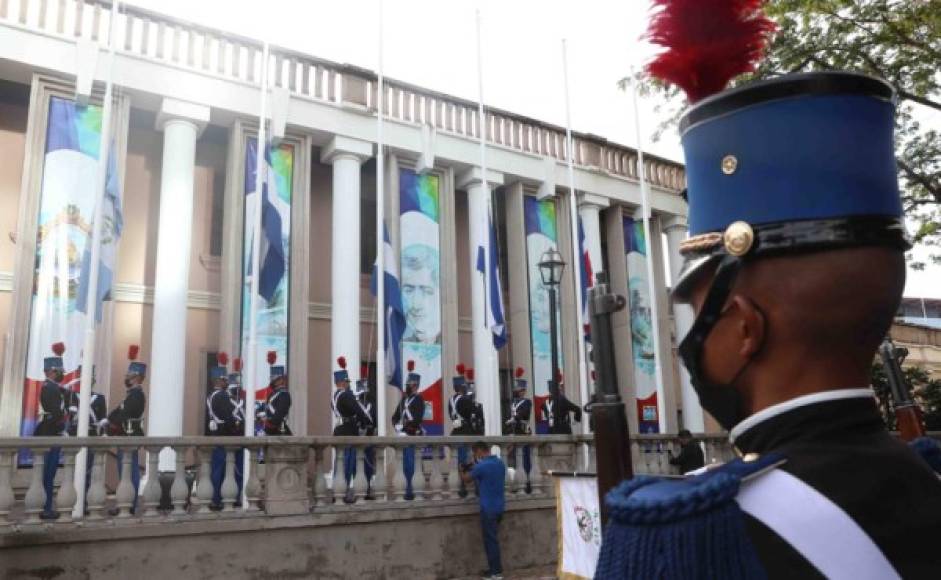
(654, 310)
(573, 219)
(91, 299)
(251, 364)
(381, 380)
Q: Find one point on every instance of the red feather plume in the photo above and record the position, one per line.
(132, 352)
(594, 376)
(460, 369)
(410, 365)
(237, 364)
(363, 371)
(470, 374)
(222, 358)
(341, 361)
(520, 372)
(558, 376)
(58, 348)
(272, 357)
(708, 42)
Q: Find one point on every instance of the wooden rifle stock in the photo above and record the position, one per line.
(907, 414)
(612, 437)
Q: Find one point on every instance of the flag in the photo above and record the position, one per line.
(586, 277)
(271, 251)
(496, 321)
(112, 224)
(394, 312)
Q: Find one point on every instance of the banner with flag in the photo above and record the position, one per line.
(586, 277)
(645, 384)
(488, 265)
(274, 256)
(394, 313)
(66, 211)
(541, 235)
(420, 239)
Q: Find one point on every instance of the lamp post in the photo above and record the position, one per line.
(551, 267)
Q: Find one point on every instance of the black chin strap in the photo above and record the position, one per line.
(691, 347)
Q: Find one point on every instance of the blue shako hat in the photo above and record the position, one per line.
(342, 374)
(519, 383)
(796, 163)
(276, 371)
(220, 371)
(135, 367)
(458, 381)
(54, 362)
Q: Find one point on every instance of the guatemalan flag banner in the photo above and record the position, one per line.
(488, 264)
(394, 313)
(274, 257)
(66, 211)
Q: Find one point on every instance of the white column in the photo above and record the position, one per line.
(485, 356)
(676, 230)
(589, 209)
(346, 155)
(181, 123)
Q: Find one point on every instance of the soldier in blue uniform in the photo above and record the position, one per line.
(274, 416)
(366, 400)
(349, 415)
(460, 412)
(557, 409)
(795, 269)
(521, 409)
(127, 419)
(53, 422)
(407, 419)
(223, 422)
(236, 392)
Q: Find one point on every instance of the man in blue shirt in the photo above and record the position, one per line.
(489, 472)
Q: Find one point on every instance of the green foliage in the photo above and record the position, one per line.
(925, 390)
(898, 40)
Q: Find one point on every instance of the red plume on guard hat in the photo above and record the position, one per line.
(222, 359)
(237, 364)
(413, 377)
(276, 371)
(342, 374)
(272, 357)
(132, 352)
(520, 381)
(134, 367)
(708, 42)
(55, 362)
(469, 374)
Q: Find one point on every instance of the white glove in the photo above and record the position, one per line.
(260, 415)
(399, 429)
(458, 423)
(102, 424)
(510, 421)
(73, 410)
(213, 426)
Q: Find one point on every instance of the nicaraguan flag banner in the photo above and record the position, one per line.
(274, 257)
(394, 313)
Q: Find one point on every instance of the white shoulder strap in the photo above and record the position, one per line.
(820, 530)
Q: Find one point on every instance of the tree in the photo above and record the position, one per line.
(898, 40)
(925, 391)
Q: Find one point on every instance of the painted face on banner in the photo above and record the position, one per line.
(420, 294)
(539, 292)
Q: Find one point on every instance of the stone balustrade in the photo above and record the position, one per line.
(286, 476)
(144, 34)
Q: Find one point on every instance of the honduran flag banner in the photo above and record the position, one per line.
(488, 265)
(66, 211)
(635, 252)
(541, 235)
(274, 257)
(419, 203)
(586, 277)
(394, 313)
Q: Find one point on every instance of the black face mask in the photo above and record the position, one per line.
(722, 401)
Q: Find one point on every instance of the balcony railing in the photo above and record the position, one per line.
(157, 37)
(287, 475)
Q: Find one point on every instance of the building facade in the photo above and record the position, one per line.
(185, 121)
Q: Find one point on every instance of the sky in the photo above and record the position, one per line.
(432, 43)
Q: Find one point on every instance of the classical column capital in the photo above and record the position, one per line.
(675, 222)
(176, 110)
(590, 199)
(474, 176)
(345, 147)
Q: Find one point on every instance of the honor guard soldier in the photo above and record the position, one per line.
(127, 419)
(348, 415)
(521, 409)
(237, 393)
(795, 269)
(556, 410)
(477, 410)
(274, 417)
(223, 422)
(460, 411)
(407, 419)
(53, 422)
(97, 411)
(367, 428)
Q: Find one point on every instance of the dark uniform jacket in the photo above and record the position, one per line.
(52, 401)
(842, 449)
(368, 428)
(128, 417)
(97, 411)
(556, 412)
(348, 412)
(520, 411)
(277, 407)
(409, 413)
(222, 410)
(690, 458)
(461, 408)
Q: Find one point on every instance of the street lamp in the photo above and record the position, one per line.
(551, 267)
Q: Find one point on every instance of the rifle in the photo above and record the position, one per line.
(612, 437)
(907, 413)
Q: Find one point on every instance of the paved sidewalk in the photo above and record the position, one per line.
(541, 573)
